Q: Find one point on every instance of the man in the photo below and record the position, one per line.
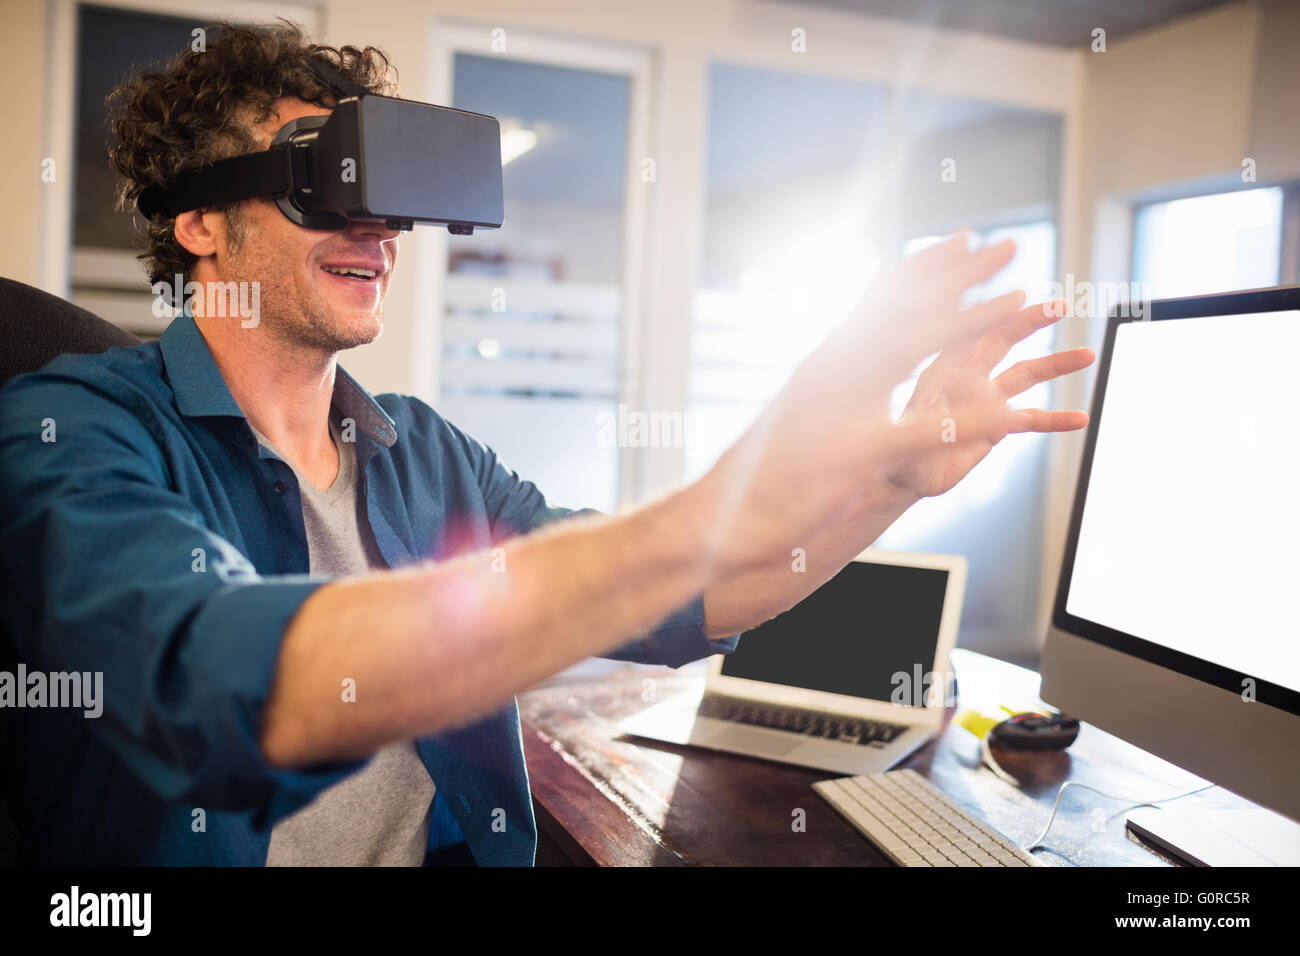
(312, 607)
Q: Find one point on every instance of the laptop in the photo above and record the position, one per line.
(851, 679)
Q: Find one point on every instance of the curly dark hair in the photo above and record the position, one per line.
(202, 106)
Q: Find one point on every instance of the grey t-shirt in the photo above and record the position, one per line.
(380, 815)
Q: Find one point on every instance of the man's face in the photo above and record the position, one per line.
(302, 302)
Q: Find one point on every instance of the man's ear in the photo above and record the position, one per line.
(193, 232)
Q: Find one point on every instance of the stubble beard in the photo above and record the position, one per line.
(303, 324)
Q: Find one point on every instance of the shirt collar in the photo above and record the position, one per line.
(201, 391)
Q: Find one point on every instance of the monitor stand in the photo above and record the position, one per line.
(1249, 836)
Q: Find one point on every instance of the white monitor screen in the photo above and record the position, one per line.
(1190, 536)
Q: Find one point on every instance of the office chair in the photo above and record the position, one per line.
(36, 327)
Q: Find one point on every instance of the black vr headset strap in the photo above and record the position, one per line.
(242, 177)
(335, 82)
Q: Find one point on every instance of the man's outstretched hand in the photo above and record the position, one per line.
(826, 457)
(957, 384)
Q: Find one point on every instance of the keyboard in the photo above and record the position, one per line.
(914, 824)
(798, 720)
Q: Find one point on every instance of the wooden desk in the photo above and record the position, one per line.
(603, 798)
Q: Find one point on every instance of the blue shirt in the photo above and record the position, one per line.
(156, 541)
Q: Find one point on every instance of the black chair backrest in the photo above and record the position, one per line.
(35, 328)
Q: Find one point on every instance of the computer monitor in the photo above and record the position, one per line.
(1176, 624)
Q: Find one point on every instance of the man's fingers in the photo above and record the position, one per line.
(978, 320)
(979, 266)
(994, 347)
(1025, 375)
(916, 312)
(1039, 420)
(942, 273)
(957, 339)
(943, 254)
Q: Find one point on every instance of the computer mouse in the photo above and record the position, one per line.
(1032, 731)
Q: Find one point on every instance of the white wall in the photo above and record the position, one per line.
(1173, 107)
(23, 69)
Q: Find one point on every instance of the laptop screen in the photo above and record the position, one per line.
(852, 635)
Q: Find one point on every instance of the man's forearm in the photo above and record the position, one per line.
(741, 601)
(438, 646)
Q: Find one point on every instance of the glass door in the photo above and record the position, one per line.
(538, 327)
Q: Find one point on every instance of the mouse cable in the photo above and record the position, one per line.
(1036, 844)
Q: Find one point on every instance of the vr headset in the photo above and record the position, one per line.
(373, 157)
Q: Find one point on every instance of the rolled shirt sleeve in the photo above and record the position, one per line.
(679, 639)
(516, 506)
(110, 571)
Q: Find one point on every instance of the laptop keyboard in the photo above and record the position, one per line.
(814, 723)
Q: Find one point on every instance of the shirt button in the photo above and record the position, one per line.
(281, 487)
